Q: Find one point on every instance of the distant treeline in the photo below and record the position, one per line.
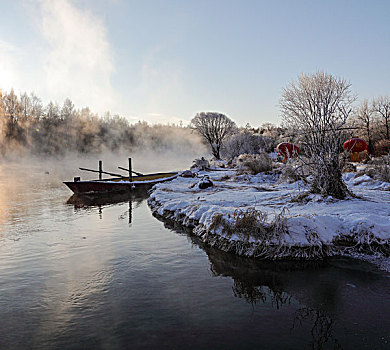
(27, 126)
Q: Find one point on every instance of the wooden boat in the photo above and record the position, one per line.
(119, 184)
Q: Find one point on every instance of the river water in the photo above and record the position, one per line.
(111, 276)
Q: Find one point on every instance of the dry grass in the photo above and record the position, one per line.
(349, 168)
(362, 240)
(251, 223)
(224, 178)
(216, 221)
(301, 198)
(279, 225)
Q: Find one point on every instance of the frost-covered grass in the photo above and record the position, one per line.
(258, 216)
(380, 168)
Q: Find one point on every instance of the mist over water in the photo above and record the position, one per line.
(107, 276)
(65, 168)
(28, 183)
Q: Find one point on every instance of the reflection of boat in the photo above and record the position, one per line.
(119, 184)
(92, 200)
(87, 201)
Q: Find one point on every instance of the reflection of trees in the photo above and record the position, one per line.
(321, 330)
(258, 281)
(276, 283)
(317, 288)
(254, 294)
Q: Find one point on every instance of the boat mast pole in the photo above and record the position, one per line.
(130, 172)
(100, 169)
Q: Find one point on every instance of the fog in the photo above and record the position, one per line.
(57, 140)
(27, 179)
(67, 167)
(30, 129)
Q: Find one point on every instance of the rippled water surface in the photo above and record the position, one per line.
(111, 276)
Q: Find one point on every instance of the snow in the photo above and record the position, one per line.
(313, 221)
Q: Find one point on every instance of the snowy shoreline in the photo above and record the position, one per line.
(255, 216)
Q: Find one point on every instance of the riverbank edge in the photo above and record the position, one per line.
(343, 245)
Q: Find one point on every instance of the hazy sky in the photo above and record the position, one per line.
(165, 60)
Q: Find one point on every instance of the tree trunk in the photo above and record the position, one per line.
(329, 181)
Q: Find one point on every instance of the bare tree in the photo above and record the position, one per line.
(36, 107)
(381, 106)
(67, 110)
(317, 106)
(52, 111)
(25, 104)
(12, 112)
(214, 128)
(364, 115)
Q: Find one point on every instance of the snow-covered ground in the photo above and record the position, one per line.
(307, 229)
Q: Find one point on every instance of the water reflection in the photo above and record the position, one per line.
(86, 202)
(321, 328)
(281, 283)
(77, 275)
(329, 296)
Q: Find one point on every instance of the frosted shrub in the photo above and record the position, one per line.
(382, 147)
(247, 143)
(380, 168)
(294, 170)
(289, 173)
(255, 163)
(201, 164)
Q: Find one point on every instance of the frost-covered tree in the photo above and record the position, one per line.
(12, 113)
(381, 106)
(247, 142)
(365, 117)
(67, 110)
(317, 107)
(214, 128)
(36, 106)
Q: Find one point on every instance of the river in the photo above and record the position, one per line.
(111, 276)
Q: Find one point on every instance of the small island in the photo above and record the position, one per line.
(268, 216)
(316, 200)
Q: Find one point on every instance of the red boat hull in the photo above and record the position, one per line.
(116, 185)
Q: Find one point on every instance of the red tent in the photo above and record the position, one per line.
(288, 150)
(355, 145)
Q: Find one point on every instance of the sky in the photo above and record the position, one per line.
(163, 61)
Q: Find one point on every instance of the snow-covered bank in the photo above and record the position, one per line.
(253, 215)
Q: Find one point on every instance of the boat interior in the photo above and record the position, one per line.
(147, 177)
